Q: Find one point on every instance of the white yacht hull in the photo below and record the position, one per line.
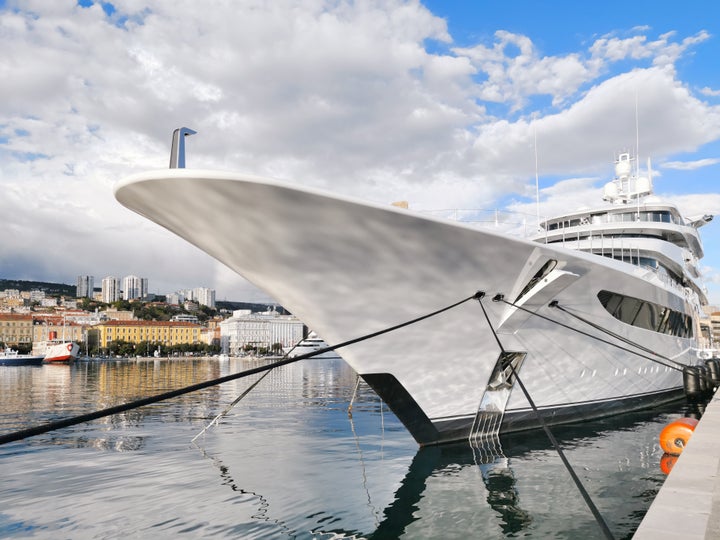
(370, 267)
(292, 353)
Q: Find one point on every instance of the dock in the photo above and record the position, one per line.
(688, 503)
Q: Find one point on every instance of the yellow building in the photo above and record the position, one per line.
(16, 329)
(47, 327)
(164, 332)
(119, 315)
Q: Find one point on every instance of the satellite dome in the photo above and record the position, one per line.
(610, 191)
(623, 166)
(643, 185)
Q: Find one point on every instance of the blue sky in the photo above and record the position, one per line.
(437, 103)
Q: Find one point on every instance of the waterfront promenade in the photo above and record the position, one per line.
(688, 504)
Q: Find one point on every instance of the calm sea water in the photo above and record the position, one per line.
(288, 461)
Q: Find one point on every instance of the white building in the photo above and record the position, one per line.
(37, 295)
(185, 317)
(201, 295)
(261, 330)
(85, 286)
(134, 287)
(110, 289)
(204, 296)
(175, 298)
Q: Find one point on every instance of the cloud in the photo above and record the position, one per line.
(512, 70)
(347, 96)
(662, 51)
(706, 91)
(690, 165)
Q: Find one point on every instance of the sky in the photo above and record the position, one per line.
(442, 104)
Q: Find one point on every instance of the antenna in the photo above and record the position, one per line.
(177, 150)
(537, 182)
(637, 137)
(637, 155)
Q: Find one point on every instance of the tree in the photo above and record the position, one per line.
(121, 305)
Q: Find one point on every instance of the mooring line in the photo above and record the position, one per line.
(500, 298)
(229, 407)
(585, 495)
(680, 366)
(237, 400)
(66, 422)
(556, 304)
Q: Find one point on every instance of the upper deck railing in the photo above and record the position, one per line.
(518, 224)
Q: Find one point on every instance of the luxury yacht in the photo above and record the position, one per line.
(596, 315)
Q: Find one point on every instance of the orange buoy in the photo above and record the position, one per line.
(675, 436)
(667, 462)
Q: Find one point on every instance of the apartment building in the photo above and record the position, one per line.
(134, 287)
(84, 287)
(162, 332)
(16, 329)
(110, 289)
(50, 326)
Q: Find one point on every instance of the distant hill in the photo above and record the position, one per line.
(53, 289)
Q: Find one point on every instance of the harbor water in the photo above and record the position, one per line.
(290, 461)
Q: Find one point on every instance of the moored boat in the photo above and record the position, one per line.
(308, 345)
(58, 351)
(598, 314)
(11, 357)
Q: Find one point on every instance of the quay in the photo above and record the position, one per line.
(688, 504)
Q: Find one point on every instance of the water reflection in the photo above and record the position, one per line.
(288, 461)
(35, 396)
(526, 489)
(504, 475)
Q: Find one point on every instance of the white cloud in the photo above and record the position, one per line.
(515, 71)
(341, 95)
(706, 91)
(690, 165)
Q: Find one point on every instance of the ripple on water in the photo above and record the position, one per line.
(289, 462)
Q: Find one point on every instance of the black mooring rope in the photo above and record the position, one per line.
(557, 305)
(58, 424)
(235, 402)
(585, 495)
(500, 298)
(680, 366)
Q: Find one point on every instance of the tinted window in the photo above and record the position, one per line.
(647, 315)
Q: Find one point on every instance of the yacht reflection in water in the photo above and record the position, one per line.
(516, 483)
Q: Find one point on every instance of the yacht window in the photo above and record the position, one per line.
(609, 300)
(627, 309)
(664, 321)
(647, 315)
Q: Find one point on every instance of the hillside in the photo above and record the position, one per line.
(53, 289)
